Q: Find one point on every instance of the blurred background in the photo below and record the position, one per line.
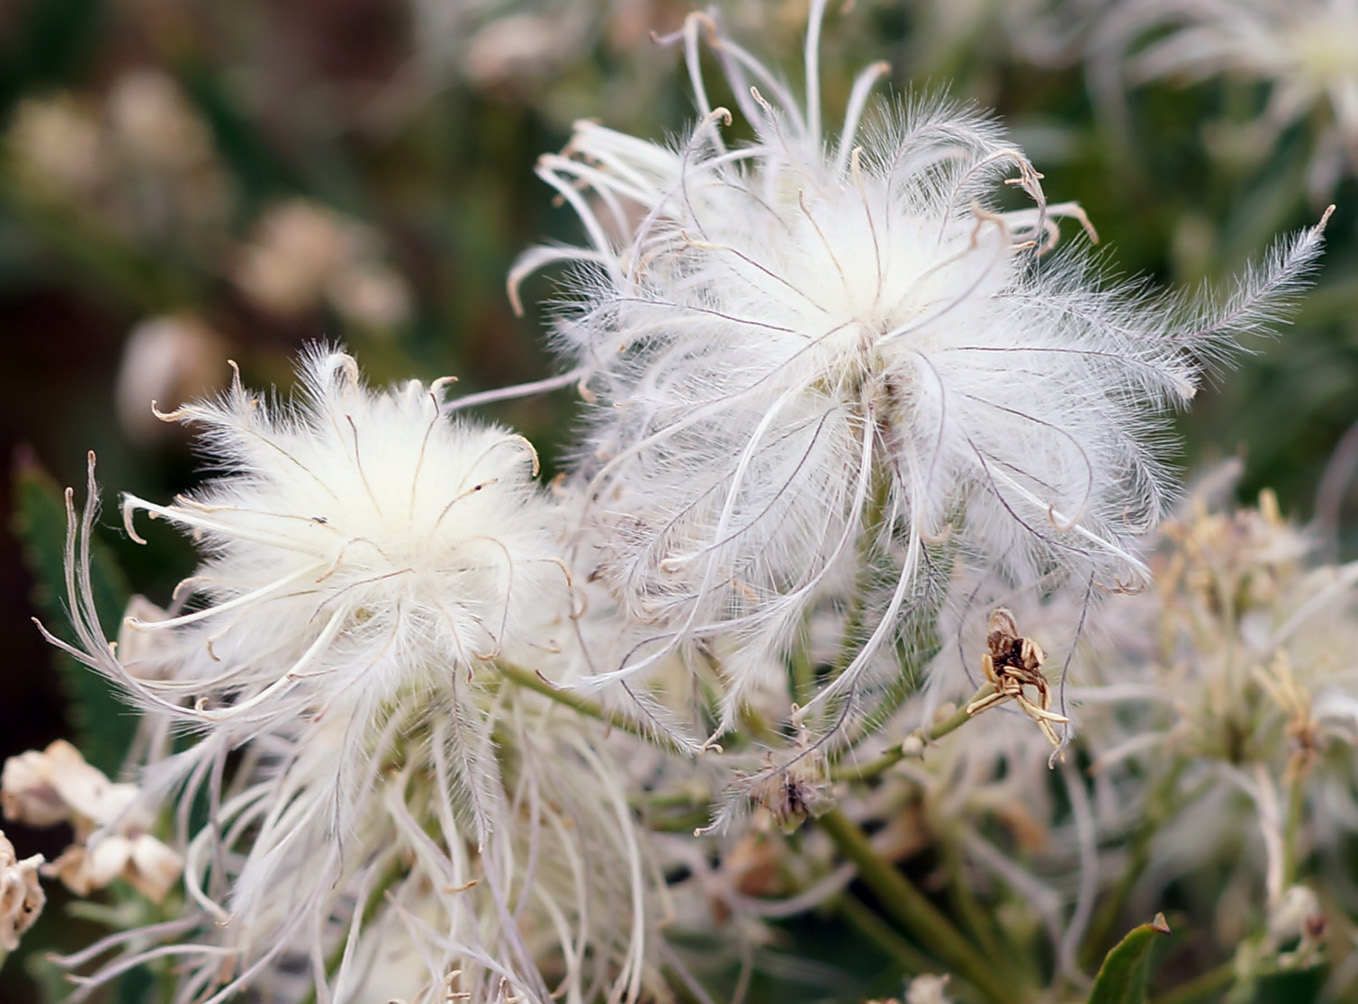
(185, 182)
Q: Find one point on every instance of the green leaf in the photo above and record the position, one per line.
(1122, 977)
(103, 724)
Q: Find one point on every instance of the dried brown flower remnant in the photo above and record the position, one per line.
(1013, 663)
(21, 897)
(793, 792)
(1305, 733)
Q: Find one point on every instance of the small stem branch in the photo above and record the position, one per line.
(590, 709)
(912, 745)
(909, 907)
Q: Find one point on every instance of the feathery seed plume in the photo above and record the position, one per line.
(835, 365)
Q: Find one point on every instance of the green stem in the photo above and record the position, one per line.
(376, 897)
(909, 907)
(912, 745)
(1159, 808)
(1296, 813)
(965, 906)
(1207, 986)
(802, 670)
(884, 936)
(874, 509)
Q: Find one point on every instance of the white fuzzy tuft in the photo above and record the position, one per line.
(812, 354)
(365, 768)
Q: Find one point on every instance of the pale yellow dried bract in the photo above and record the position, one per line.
(55, 785)
(21, 897)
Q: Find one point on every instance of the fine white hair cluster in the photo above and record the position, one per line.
(364, 766)
(825, 362)
(357, 543)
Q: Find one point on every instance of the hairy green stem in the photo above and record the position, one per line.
(568, 698)
(802, 673)
(874, 511)
(912, 909)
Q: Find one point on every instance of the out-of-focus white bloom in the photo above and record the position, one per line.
(816, 355)
(523, 47)
(371, 295)
(139, 161)
(56, 785)
(302, 253)
(543, 52)
(1306, 51)
(493, 42)
(297, 247)
(950, 39)
(168, 174)
(1226, 710)
(154, 124)
(166, 361)
(928, 990)
(57, 145)
(21, 896)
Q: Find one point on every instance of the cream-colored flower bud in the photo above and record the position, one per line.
(928, 989)
(153, 868)
(27, 795)
(141, 861)
(55, 785)
(154, 124)
(57, 146)
(74, 870)
(1297, 912)
(166, 361)
(90, 798)
(371, 295)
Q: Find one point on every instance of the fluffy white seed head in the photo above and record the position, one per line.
(813, 354)
(356, 542)
(366, 771)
